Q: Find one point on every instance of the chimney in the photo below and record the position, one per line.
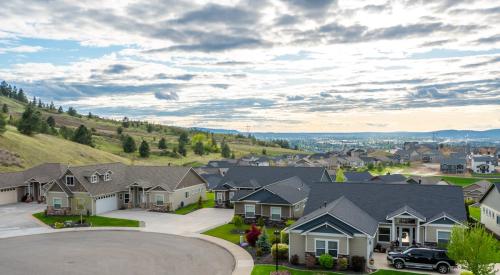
(420, 181)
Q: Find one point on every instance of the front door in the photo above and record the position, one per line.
(406, 236)
(220, 197)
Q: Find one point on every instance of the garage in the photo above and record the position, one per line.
(106, 203)
(8, 195)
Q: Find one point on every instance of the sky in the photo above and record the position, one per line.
(263, 65)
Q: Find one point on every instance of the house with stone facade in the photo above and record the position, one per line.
(95, 189)
(351, 219)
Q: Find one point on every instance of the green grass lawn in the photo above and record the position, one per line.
(267, 269)
(226, 232)
(208, 203)
(475, 212)
(97, 221)
(461, 181)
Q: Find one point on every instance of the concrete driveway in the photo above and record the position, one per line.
(381, 263)
(112, 252)
(16, 219)
(195, 222)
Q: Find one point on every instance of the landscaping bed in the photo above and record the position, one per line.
(74, 221)
(267, 269)
(208, 203)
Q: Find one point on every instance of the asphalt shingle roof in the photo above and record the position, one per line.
(288, 191)
(357, 176)
(41, 173)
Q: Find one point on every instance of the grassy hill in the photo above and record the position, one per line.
(108, 146)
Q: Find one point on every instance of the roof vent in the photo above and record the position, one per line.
(324, 203)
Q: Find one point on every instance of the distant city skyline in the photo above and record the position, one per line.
(263, 65)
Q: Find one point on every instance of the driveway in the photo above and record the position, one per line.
(195, 222)
(112, 252)
(16, 219)
(381, 263)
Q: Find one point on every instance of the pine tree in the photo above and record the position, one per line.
(51, 122)
(199, 149)
(29, 123)
(72, 111)
(119, 130)
(40, 104)
(3, 123)
(162, 144)
(150, 128)
(5, 109)
(89, 116)
(21, 96)
(129, 145)
(144, 149)
(184, 138)
(60, 110)
(125, 122)
(82, 135)
(263, 242)
(51, 106)
(225, 150)
(182, 149)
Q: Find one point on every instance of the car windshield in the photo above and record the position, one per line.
(407, 250)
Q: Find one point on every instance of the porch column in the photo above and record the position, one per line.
(143, 198)
(393, 230)
(129, 196)
(418, 232)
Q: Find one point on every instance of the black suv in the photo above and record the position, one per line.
(423, 258)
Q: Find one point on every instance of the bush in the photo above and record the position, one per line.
(275, 240)
(252, 235)
(282, 251)
(258, 252)
(294, 259)
(466, 273)
(358, 263)
(260, 222)
(199, 204)
(289, 222)
(284, 237)
(326, 261)
(237, 221)
(58, 225)
(263, 242)
(343, 263)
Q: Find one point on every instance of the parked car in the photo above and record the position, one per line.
(422, 258)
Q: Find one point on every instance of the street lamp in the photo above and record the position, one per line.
(276, 234)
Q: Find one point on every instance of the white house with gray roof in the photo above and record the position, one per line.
(100, 188)
(483, 164)
(350, 219)
(490, 209)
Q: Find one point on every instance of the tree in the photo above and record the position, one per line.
(225, 150)
(72, 111)
(5, 109)
(238, 222)
(184, 138)
(144, 149)
(89, 116)
(252, 235)
(182, 149)
(129, 145)
(51, 122)
(119, 130)
(263, 242)
(162, 144)
(150, 128)
(474, 249)
(264, 151)
(29, 123)
(3, 123)
(125, 122)
(60, 110)
(199, 149)
(339, 177)
(82, 135)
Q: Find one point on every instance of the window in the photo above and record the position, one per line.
(275, 213)
(323, 246)
(249, 210)
(186, 194)
(70, 181)
(231, 195)
(498, 219)
(384, 234)
(297, 207)
(159, 198)
(220, 197)
(57, 202)
(107, 176)
(94, 178)
(443, 237)
(126, 197)
(120, 196)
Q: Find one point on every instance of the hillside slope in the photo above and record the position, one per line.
(46, 148)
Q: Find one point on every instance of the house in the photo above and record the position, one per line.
(476, 190)
(453, 165)
(347, 220)
(389, 178)
(427, 180)
(28, 185)
(251, 178)
(357, 176)
(275, 203)
(100, 188)
(490, 209)
(483, 164)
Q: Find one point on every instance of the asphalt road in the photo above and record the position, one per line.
(112, 252)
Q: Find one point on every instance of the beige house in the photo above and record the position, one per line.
(490, 209)
(351, 219)
(95, 189)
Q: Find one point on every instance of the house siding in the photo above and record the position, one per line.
(342, 249)
(297, 246)
(358, 247)
(62, 195)
(491, 202)
(85, 199)
(191, 179)
(285, 211)
(152, 195)
(239, 208)
(431, 232)
(178, 196)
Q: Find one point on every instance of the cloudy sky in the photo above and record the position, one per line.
(269, 65)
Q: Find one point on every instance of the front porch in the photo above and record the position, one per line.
(146, 198)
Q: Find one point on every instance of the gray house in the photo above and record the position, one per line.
(252, 178)
(347, 220)
(490, 209)
(96, 189)
(453, 165)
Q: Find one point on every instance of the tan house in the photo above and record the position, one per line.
(95, 189)
(490, 209)
(476, 190)
(351, 219)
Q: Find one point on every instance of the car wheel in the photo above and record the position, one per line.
(399, 264)
(442, 268)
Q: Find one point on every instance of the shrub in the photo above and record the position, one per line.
(258, 252)
(275, 240)
(342, 263)
(289, 222)
(466, 273)
(326, 261)
(284, 237)
(252, 235)
(294, 259)
(58, 225)
(199, 204)
(282, 251)
(358, 263)
(260, 222)
(263, 242)
(238, 222)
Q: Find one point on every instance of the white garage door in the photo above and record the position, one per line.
(8, 195)
(106, 204)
